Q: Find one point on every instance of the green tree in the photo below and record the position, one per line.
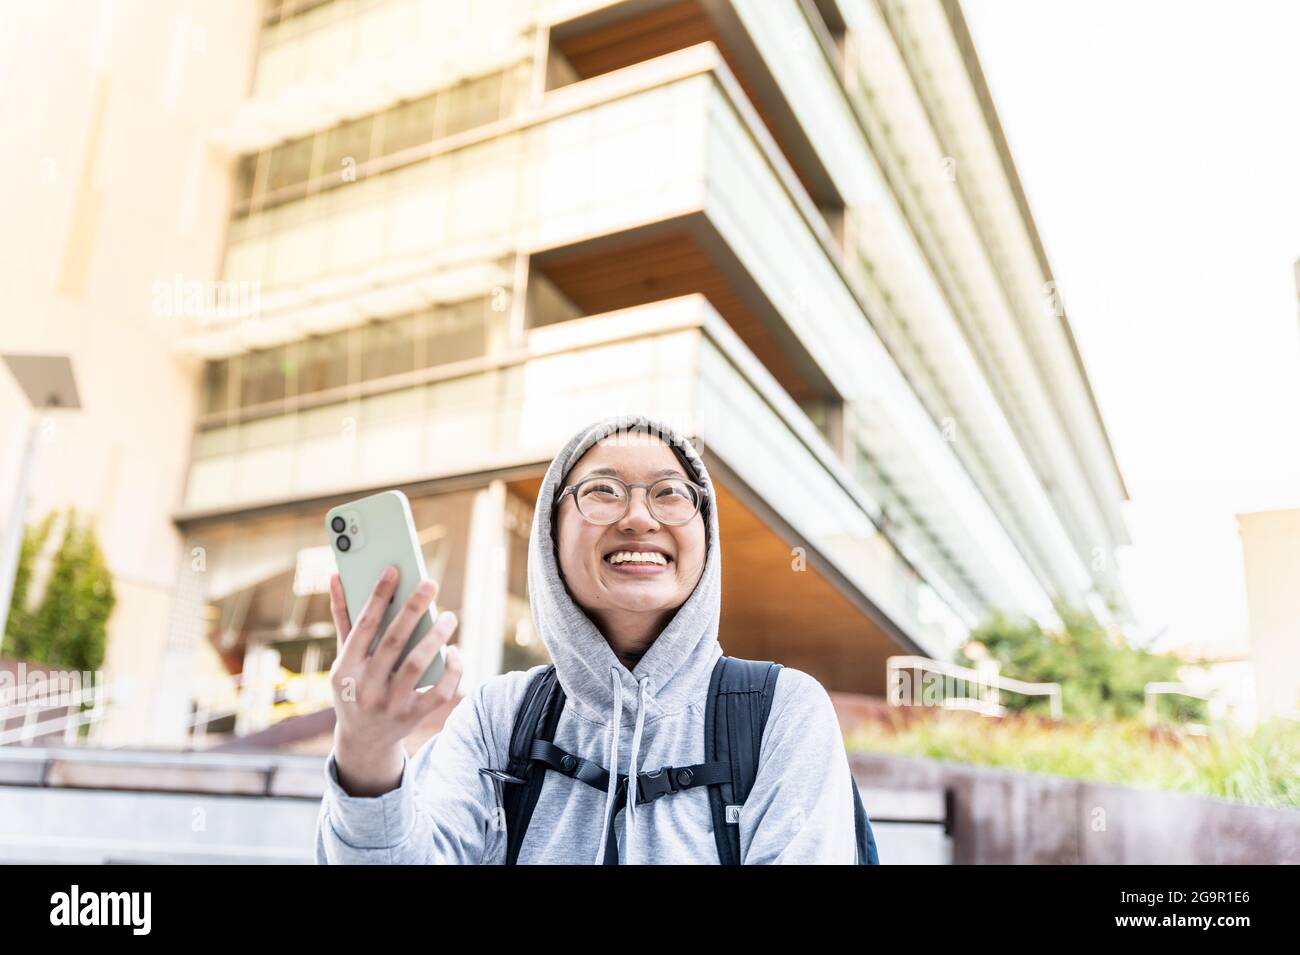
(19, 637)
(70, 626)
(1100, 673)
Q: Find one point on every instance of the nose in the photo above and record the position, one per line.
(638, 510)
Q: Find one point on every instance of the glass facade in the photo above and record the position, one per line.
(332, 157)
(274, 381)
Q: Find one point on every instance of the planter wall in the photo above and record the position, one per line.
(1003, 816)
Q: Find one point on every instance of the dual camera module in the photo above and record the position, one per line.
(343, 542)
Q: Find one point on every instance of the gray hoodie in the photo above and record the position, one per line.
(445, 811)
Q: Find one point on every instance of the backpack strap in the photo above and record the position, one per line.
(651, 784)
(867, 854)
(740, 698)
(533, 752)
(536, 719)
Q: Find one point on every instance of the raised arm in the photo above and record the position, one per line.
(442, 811)
(381, 805)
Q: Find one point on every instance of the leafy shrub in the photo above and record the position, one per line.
(69, 626)
(1100, 673)
(1262, 767)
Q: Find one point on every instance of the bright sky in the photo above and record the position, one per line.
(1159, 146)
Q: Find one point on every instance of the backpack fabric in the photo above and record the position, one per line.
(739, 699)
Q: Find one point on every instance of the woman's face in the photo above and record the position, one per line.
(605, 589)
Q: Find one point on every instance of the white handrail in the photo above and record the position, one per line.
(1157, 688)
(987, 679)
(29, 702)
(70, 723)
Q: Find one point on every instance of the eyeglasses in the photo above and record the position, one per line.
(604, 500)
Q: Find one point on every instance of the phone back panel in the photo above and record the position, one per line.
(381, 532)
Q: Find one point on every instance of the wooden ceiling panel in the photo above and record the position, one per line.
(643, 269)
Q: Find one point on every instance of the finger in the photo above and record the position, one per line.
(339, 611)
(445, 689)
(401, 627)
(406, 676)
(363, 630)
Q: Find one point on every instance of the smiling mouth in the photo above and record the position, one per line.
(641, 562)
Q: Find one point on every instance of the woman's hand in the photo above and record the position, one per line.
(377, 706)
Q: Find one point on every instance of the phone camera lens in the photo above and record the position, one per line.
(338, 524)
(344, 542)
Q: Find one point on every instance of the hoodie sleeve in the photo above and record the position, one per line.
(800, 810)
(443, 811)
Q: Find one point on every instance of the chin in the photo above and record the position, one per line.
(638, 597)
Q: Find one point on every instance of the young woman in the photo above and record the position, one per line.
(625, 582)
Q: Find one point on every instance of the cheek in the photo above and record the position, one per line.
(576, 554)
(691, 565)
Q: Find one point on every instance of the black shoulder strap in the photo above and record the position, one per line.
(740, 697)
(736, 711)
(533, 752)
(536, 719)
(867, 854)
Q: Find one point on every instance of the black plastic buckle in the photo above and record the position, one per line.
(500, 775)
(658, 783)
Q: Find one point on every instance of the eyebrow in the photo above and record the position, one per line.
(611, 472)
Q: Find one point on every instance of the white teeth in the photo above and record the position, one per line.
(636, 557)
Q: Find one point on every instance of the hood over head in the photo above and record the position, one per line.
(675, 670)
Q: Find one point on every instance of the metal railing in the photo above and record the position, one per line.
(1153, 691)
(989, 684)
(71, 703)
(45, 713)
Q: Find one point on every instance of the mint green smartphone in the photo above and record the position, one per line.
(368, 535)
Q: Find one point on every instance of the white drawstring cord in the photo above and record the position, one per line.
(613, 766)
(632, 780)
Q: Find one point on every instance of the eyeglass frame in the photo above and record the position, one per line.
(572, 488)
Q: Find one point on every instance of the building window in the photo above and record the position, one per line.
(316, 162)
(384, 349)
(347, 145)
(387, 348)
(410, 124)
(323, 363)
(264, 378)
(216, 387)
(290, 164)
(246, 180)
(474, 103)
(278, 11)
(455, 332)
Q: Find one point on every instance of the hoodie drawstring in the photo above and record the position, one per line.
(632, 775)
(613, 766)
(631, 790)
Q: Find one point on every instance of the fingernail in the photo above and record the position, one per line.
(426, 587)
(390, 574)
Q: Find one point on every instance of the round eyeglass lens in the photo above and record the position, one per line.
(603, 501)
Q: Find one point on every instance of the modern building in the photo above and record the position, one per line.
(1270, 544)
(455, 233)
(114, 190)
